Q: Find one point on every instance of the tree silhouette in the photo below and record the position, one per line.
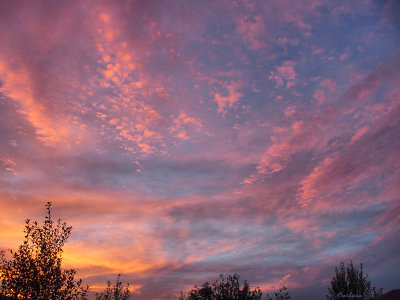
(34, 270)
(350, 283)
(115, 292)
(229, 289)
(282, 294)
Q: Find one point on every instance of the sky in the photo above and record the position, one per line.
(185, 139)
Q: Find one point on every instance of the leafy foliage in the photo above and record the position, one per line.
(115, 292)
(350, 282)
(34, 271)
(229, 289)
(282, 294)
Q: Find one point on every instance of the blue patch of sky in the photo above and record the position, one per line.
(173, 179)
(349, 244)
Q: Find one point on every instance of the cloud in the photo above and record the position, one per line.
(225, 102)
(329, 84)
(16, 85)
(181, 123)
(359, 134)
(252, 31)
(285, 75)
(319, 96)
(346, 171)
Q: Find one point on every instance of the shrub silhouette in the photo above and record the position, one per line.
(282, 294)
(34, 270)
(350, 282)
(229, 289)
(115, 292)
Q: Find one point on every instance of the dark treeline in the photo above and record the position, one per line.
(34, 272)
(230, 288)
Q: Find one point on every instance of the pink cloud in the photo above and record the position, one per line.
(252, 31)
(344, 56)
(359, 134)
(287, 41)
(290, 111)
(319, 95)
(343, 172)
(318, 51)
(299, 136)
(19, 85)
(8, 165)
(365, 89)
(284, 74)
(181, 125)
(329, 84)
(225, 102)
